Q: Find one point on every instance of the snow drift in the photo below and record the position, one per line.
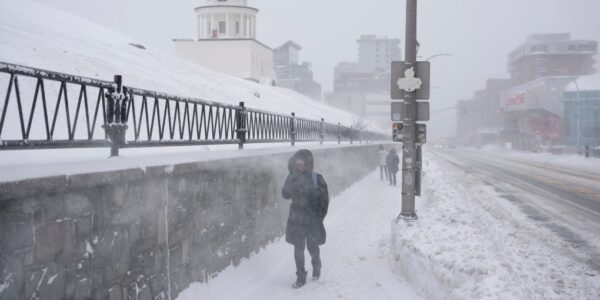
(37, 36)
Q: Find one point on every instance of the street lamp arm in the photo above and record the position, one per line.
(439, 54)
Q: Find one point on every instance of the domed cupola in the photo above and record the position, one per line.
(226, 19)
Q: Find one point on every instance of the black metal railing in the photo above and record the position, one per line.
(44, 110)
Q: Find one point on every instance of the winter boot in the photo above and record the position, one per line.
(300, 281)
(316, 264)
(316, 273)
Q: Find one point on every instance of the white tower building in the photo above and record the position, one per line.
(226, 41)
(376, 53)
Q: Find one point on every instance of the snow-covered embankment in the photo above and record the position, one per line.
(470, 243)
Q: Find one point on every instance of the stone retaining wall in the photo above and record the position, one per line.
(136, 234)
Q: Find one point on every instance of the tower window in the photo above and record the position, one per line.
(222, 27)
(539, 48)
(587, 47)
(237, 27)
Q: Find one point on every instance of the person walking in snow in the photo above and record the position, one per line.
(392, 161)
(310, 202)
(382, 163)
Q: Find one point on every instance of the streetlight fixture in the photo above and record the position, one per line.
(439, 54)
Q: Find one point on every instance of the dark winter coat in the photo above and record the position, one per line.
(392, 161)
(310, 202)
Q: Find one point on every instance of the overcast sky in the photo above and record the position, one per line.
(480, 33)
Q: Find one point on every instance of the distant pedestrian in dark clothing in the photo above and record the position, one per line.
(382, 163)
(310, 201)
(392, 161)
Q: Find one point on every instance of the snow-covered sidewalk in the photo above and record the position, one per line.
(470, 243)
(356, 257)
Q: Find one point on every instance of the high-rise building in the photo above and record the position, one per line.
(293, 75)
(226, 41)
(376, 53)
(545, 55)
(363, 87)
(348, 79)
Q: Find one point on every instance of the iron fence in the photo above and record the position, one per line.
(45, 110)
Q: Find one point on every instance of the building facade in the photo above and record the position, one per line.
(582, 105)
(363, 87)
(226, 41)
(546, 55)
(533, 113)
(292, 75)
(480, 119)
(361, 93)
(376, 53)
(541, 68)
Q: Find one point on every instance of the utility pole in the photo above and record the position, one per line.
(410, 82)
(409, 148)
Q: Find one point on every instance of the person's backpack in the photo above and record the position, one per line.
(317, 205)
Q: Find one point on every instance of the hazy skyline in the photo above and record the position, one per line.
(479, 33)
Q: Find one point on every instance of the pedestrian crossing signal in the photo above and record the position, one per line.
(397, 132)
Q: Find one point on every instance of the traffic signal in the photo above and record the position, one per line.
(397, 132)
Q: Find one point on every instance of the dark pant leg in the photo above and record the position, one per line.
(315, 254)
(395, 178)
(299, 258)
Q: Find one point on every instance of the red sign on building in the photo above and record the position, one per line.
(516, 100)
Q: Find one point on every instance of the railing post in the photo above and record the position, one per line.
(339, 133)
(116, 116)
(351, 135)
(322, 131)
(240, 117)
(293, 129)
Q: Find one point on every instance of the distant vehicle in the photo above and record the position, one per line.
(557, 149)
(438, 146)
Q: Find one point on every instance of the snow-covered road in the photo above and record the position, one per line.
(564, 199)
(356, 257)
(491, 228)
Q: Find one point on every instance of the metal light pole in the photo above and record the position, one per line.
(409, 148)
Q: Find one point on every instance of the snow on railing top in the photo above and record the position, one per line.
(161, 95)
(56, 76)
